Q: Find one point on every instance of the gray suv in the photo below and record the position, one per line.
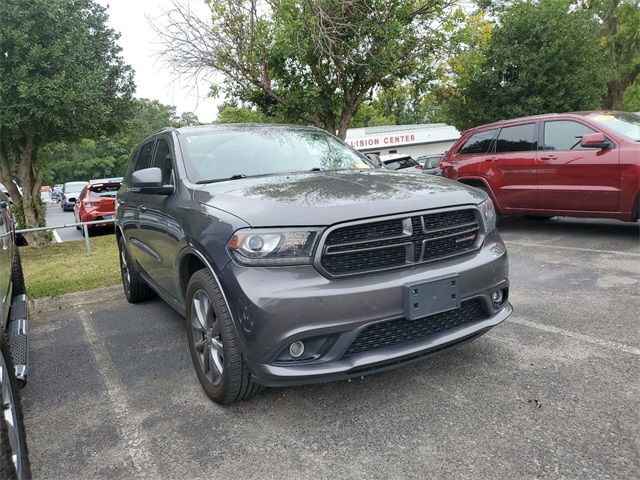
(294, 261)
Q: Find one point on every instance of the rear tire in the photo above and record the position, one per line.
(135, 288)
(215, 350)
(13, 440)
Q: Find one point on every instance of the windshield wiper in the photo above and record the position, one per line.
(237, 176)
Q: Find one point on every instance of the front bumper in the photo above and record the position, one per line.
(273, 307)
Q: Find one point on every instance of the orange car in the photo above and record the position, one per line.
(96, 202)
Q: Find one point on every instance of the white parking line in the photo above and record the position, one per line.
(138, 444)
(621, 347)
(56, 237)
(562, 247)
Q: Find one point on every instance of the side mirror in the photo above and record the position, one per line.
(149, 180)
(595, 140)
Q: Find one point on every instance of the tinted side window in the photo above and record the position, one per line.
(518, 138)
(144, 159)
(162, 160)
(131, 165)
(564, 135)
(479, 142)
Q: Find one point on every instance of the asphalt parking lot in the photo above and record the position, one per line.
(553, 392)
(56, 216)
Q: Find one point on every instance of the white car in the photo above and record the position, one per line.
(401, 163)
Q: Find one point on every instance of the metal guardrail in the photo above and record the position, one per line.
(84, 226)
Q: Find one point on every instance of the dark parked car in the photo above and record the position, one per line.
(574, 164)
(430, 163)
(14, 462)
(294, 262)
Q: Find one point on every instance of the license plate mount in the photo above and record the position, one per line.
(428, 298)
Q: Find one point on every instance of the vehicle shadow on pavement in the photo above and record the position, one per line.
(569, 226)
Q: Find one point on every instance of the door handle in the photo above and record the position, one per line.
(142, 208)
(491, 159)
(549, 157)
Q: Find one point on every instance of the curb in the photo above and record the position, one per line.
(76, 299)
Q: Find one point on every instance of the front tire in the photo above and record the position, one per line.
(14, 455)
(135, 288)
(215, 350)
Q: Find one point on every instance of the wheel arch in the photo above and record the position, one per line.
(190, 261)
(483, 185)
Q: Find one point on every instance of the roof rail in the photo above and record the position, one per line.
(164, 129)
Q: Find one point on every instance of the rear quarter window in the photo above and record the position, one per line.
(518, 138)
(479, 142)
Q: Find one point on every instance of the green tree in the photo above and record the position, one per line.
(230, 112)
(531, 65)
(107, 156)
(61, 78)
(370, 114)
(311, 61)
(620, 37)
(469, 38)
(631, 100)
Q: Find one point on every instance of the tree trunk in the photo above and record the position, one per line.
(29, 210)
(613, 97)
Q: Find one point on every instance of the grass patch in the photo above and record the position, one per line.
(60, 268)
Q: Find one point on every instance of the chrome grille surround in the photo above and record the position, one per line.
(406, 240)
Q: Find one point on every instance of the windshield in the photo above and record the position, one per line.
(222, 154)
(399, 163)
(430, 162)
(626, 124)
(74, 187)
(108, 191)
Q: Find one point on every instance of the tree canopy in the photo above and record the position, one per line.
(526, 64)
(62, 78)
(619, 26)
(314, 61)
(106, 156)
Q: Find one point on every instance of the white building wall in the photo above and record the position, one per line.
(414, 140)
(413, 150)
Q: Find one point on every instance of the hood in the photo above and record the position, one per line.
(325, 198)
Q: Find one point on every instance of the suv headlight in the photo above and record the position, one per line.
(274, 246)
(488, 212)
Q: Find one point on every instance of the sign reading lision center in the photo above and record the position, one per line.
(383, 140)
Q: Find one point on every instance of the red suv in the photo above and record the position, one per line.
(96, 202)
(575, 164)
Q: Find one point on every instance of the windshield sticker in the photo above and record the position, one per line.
(604, 118)
(362, 166)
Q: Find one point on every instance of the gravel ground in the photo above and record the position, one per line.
(553, 392)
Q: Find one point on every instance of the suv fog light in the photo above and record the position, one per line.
(497, 297)
(296, 349)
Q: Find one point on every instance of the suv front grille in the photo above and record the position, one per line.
(379, 245)
(396, 332)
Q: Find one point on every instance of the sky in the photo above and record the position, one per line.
(139, 42)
